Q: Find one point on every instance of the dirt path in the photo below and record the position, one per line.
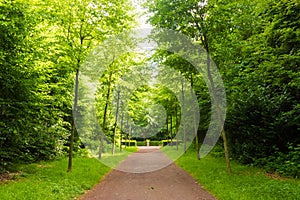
(168, 183)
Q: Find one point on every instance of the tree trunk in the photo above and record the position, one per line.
(184, 129)
(176, 122)
(171, 136)
(195, 121)
(121, 136)
(218, 110)
(167, 125)
(204, 41)
(115, 125)
(104, 117)
(127, 135)
(70, 163)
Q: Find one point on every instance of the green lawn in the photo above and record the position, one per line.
(50, 180)
(113, 161)
(244, 183)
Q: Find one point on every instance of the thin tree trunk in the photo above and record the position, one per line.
(70, 163)
(171, 136)
(104, 117)
(184, 129)
(218, 110)
(204, 41)
(127, 135)
(167, 125)
(115, 125)
(195, 121)
(121, 136)
(176, 121)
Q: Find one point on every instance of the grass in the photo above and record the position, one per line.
(113, 161)
(245, 183)
(50, 180)
(172, 152)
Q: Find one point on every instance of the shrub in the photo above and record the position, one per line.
(286, 164)
(155, 143)
(129, 142)
(141, 143)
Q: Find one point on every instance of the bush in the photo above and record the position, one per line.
(141, 143)
(286, 164)
(168, 142)
(218, 151)
(155, 143)
(129, 143)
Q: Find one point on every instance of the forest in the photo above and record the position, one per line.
(45, 44)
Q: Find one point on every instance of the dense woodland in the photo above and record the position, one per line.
(255, 44)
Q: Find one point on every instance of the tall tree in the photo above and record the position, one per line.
(189, 17)
(84, 24)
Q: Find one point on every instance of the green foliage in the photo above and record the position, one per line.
(139, 105)
(151, 143)
(264, 94)
(256, 47)
(155, 143)
(41, 46)
(141, 143)
(132, 149)
(287, 164)
(129, 143)
(31, 128)
(170, 142)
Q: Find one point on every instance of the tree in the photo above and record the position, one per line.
(189, 17)
(34, 127)
(166, 98)
(121, 63)
(255, 43)
(267, 85)
(83, 25)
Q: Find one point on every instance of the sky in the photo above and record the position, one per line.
(143, 18)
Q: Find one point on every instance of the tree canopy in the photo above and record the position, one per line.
(255, 45)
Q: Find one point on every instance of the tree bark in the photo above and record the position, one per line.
(171, 136)
(167, 125)
(127, 135)
(70, 163)
(195, 121)
(204, 41)
(184, 129)
(176, 121)
(104, 117)
(218, 110)
(121, 136)
(115, 125)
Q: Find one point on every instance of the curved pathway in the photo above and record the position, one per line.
(168, 183)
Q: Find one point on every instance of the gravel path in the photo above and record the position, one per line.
(168, 183)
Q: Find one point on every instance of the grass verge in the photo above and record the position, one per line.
(50, 180)
(245, 183)
(113, 161)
